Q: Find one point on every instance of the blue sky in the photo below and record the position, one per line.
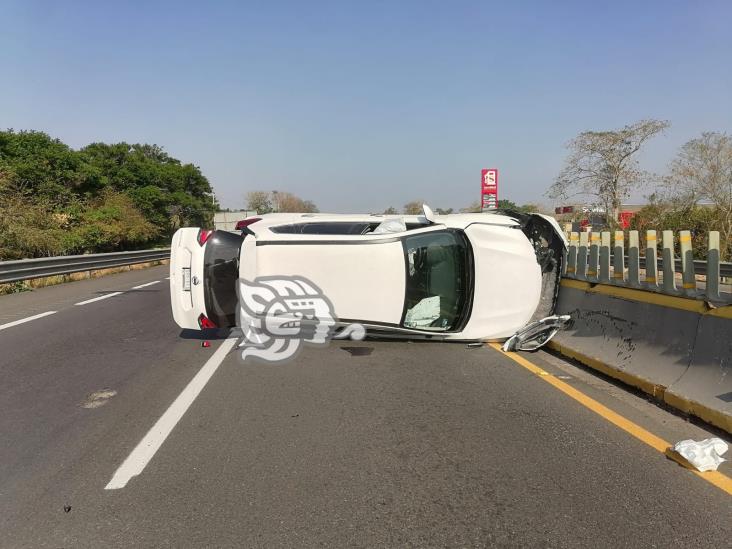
(363, 105)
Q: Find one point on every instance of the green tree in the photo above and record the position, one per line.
(110, 222)
(170, 193)
(49, 193)
(702, 171)
(699, 220)
(33, 163)
(505, 204)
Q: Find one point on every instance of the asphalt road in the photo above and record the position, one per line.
(364, 444)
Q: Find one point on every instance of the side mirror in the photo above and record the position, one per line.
(428, 213)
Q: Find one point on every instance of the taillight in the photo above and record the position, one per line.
(204, 322)
(244, 223)
(203, 235)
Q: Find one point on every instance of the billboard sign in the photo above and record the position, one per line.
(488, 188)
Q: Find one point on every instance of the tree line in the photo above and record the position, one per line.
(415, 208)
(284, 202)
(55, 200)
(694, 194)
(264, 202)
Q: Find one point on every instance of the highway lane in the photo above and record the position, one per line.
(397, 444)
(49, 367)
(18, 306)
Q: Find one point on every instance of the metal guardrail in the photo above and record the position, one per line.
(25, 269)
(591, 258)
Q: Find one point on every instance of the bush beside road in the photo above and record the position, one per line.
(55, 200)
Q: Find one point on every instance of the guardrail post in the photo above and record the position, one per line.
(713, 266)
(651, 259)
(582, 257)
(594, 256)
(605, 257)
(633, 259)
(619, 258)
(669, 284)
(688, 277)
(572, 255)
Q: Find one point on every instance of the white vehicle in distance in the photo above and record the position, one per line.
(468, 277)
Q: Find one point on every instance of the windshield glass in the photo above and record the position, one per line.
(437, 280)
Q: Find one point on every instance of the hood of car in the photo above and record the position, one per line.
(507, 282)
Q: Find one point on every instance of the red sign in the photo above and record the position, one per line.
(625, 218)
(489, 188)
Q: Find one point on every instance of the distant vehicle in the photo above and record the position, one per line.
(470, 277)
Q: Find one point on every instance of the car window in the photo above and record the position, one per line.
(220, 275)
(333, 227)
(438, 275)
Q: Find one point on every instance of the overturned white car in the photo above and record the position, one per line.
(470, 277)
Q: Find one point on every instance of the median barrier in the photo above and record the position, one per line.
(677, 349)
(705, 389)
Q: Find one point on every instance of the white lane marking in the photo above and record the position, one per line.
(27, 319)
(167, 278)
(92, 300)
(145, 285)
(153, 440)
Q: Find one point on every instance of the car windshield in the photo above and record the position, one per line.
(438, 275)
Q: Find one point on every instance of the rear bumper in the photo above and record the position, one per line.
(186, 253)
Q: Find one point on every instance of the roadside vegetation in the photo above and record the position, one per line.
(55, 200)
(695, 194)
(264, 202)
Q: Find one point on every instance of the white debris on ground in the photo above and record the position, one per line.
(705, 455)
(98, 398)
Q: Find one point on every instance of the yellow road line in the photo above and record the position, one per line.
(716, 478)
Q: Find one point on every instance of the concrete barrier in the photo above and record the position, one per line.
(705, 390)
(674, 348)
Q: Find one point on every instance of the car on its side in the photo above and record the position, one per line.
(468, 277)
